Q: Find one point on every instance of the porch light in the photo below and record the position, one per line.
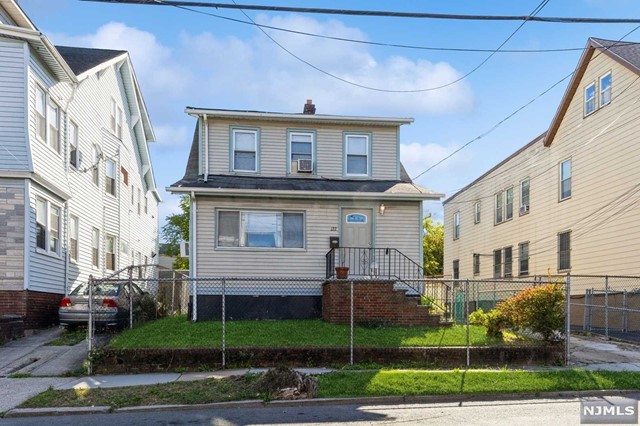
(381, 209)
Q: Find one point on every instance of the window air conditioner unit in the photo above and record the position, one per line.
(524, 209)
(305, 166)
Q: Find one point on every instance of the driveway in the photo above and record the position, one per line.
(597, 353)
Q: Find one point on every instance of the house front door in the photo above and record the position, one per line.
(356, 228)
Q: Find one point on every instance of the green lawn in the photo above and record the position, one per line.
(177, 332)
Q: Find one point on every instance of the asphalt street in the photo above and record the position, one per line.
(561, 411)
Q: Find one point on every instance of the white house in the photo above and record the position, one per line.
(77, 192)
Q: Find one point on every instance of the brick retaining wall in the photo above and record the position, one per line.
(37, 309)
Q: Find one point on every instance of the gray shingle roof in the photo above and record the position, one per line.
(82, 59)
(627, 51)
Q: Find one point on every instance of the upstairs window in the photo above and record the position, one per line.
(119, 123)
(508, 215)
(564, 251)
(605, 89)
(456, 225)
(260, 229)
(112, 117)
(565, 179)
(301, 152)
(95, 169)
(245, 150)
(497, 263)
(508, 261)
(53, 126)
(73, 238)
(41, 113)
(95, 248)
(74, 154)
(110, 177)
(476, 212)
(357, 155)
(590, 99)
(110, 256)
(524, 196)
(139, 199)
(47, 226)
(523, 256)
(476, 264)
(146, 204)
(499, 205)
(456, 269)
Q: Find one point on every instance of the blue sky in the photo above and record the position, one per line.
(184, 58)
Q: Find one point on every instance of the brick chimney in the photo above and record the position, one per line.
(309, 107)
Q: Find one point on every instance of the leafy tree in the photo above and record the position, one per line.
(176, 230)
(433, 246)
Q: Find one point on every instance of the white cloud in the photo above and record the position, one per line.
(417, 157)
(170, 136)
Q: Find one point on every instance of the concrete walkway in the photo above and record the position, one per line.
(597, 353)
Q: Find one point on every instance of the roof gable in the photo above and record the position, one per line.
(626, 53)
(15, 12)
(82, 59)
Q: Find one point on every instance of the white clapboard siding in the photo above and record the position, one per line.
(329, 147)
(605, 238)
(13, 141)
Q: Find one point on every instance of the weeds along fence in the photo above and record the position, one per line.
(353, 316)
(606, 305)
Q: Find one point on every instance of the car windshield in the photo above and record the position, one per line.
(99, 289)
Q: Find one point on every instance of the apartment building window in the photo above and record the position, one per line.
(110, 177)
(508, 214)
(476, 212)
(110, 252)
(605, 89)
(456, 225)
(564, 251)
(565, 179)
(74, 154)
(245, 150)
(590, 99)
(119, 123)
(524, 196)
(146, 204)
(41, 114)
(73, 237)
(112, 117)
(95, 248)
(95, 169)
(139, 199)
(357, 154)
(476, 263)
(508, 261)
(456, 269)
(523, 258)
(47, 226)
(265, 229)
(497, 263)
(301, 150)
(125, 175)
(53, 126)
(499, 206)
(133, 195)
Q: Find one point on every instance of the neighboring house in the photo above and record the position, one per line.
(77, 193)
(272, 193)
(566, 201)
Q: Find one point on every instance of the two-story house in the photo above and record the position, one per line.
(273, 193)
(77, 192)
(566, 201)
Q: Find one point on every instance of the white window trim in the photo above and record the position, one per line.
(96, 154)
(346, 154)
(586, 100)
(77, 219)
(74, 141)
(522, 208)
(112, 115)
(107, 253)
(47, 230)
(504, 213)
(522, 273)
(456, 225)
(559, 253)
(560, 198)
(477, 212)
(43, 115)
(245, 248)
(495, 208)
(115, 178)
(58, 125)
(94, 266)
(256, 160)
(600, 91)
(290, 135)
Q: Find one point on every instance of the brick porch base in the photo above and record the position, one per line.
(37, 309)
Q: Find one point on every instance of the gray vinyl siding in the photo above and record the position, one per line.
(398, 228)
(329, 147)
(14, 153)
(601, 213)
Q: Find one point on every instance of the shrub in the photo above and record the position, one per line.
(494, 321)
(538, 309)
(477, 317)
(427, 300)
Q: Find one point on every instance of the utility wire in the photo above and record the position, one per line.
(378, 13)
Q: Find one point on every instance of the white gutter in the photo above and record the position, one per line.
(343, 195)
(206, 148)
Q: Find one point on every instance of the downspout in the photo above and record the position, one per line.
(67, 253)
(206, 148)
(118, 244)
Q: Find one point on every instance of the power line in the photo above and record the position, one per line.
(379, 13)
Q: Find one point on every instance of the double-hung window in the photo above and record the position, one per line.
(456, 269)
(508, 261)
(110, 177)
(95, 248)
(476, 212)
(524, 196)
(74, 158)
(456, 225)
(523, 258)
(95, 169)
(139, 199)
(508, 195)
(565, 179)
(110, 252)
(357, 154)
(47, 226)
(476, 263)
(53, 126)
(266, 229)
(73, 238)
(605, 89)
(497, 263)
(112, 117)
(245, 150)
(590, 99)
(119, 123)
(41, 113)
(301, 148)
(564, 251)
(499, 204)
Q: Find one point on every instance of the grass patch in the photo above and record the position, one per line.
(69, 338)
(177, 332)
(19, 375)
(200, 392)
(345, 384)
(401, 383)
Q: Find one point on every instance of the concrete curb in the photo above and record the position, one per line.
(370, 400)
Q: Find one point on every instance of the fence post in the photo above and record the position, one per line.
(466, 309)
(130, 298)
(625, 313)
(173, 293)
(567, 319)
(194, 300)
(90, 327)
(351, 327)
(606, 306)
(585, 310)
(224, 323)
